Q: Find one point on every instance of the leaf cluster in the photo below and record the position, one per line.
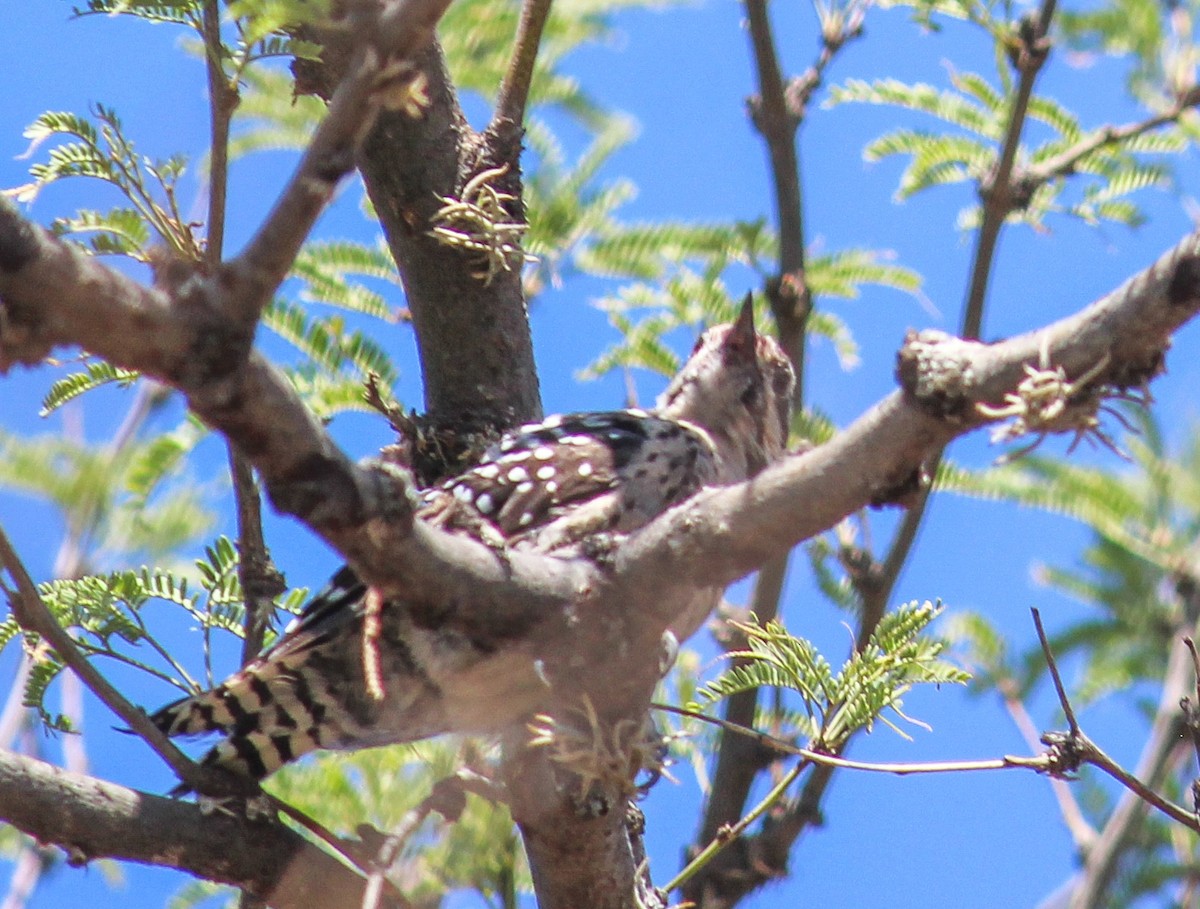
(870, 684)
(1108, 165)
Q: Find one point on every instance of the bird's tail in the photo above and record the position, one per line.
(271, 712)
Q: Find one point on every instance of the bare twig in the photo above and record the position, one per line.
(777, 120)
(1029, 55)
(1083, 833)
(1064, 164)
(1059, 689)
(514, 90)
(1038, 763)
(1162, 751)
(1096, 757)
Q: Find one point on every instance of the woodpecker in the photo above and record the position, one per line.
(351, 673)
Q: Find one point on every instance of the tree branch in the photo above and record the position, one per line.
(1029, 55)
(1064, 164)
(32, 615)
(473, 338)
(91, 819)
(1101, 860)
(514, 90)
(387, 42)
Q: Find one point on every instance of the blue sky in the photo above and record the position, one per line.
(971, 841)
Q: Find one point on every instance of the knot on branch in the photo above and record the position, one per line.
(936, 371)
(1185, 283)
(1065, 754)
(1029, 47)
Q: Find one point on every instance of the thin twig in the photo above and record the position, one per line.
(1082, 832)
(997, 191)
(1094, 755)
(514, 90)
(1192, 720)
(777, 121)
(1162, 751)
(1039, 762)
(1064, 164)
(730, 833)
(1072, 723)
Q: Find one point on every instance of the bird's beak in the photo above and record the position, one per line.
(742, 336)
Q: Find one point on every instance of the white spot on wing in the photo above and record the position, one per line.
(518, 474)
(484, 503)
(545, 472)
(586, 469)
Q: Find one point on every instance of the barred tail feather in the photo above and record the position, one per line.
(271, 712)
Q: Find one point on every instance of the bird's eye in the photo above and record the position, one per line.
(750, 395)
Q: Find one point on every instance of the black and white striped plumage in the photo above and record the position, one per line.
(548, 487)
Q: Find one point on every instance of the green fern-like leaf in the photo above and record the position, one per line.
(96, 374)
(42, 672)
(181, 12)
(326, 267)
(326, 343)
(120, 231)
(950, 106)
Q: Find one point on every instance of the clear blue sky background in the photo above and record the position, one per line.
(968, 841)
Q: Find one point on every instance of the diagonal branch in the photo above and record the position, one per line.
(54, 295)
(1161, 750)
(1064, 164)
(381, 66)
(32, 615)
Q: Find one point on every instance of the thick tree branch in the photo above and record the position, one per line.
(54, 295)
(722, 534)
(473, 337)
(91, 819)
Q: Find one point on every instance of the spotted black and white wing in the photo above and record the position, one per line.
(547, 484)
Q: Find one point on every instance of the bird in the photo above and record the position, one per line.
(353, 671)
